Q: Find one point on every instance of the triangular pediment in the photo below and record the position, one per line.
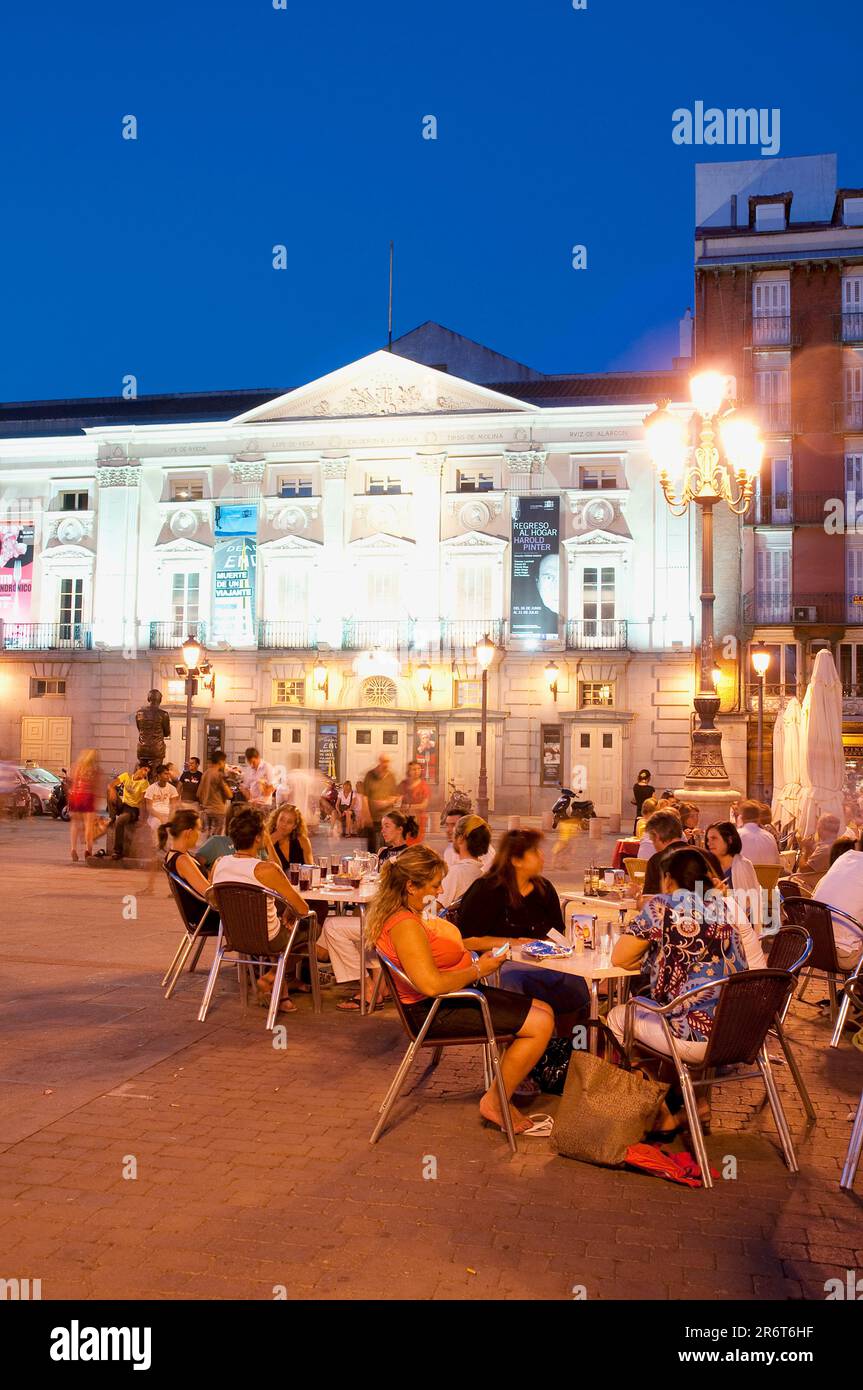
(379, 385)
(380, 543)
(473, 541)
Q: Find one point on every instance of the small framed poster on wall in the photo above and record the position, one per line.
(551, 754)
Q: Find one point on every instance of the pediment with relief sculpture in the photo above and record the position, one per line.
(379, 385)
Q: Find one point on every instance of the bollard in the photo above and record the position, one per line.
(513, 823)
(596, 828)
(547, 821)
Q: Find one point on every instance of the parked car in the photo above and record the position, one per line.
(15, 794)
(41, 784)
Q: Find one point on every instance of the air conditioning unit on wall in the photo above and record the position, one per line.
(805, 615)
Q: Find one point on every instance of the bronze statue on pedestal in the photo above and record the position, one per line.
(154, 727)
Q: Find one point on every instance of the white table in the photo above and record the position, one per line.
(585, 964)
(326, 892)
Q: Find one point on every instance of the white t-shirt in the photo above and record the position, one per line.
(463, 873)
(160, 802)
(759, 846)
(646, 849)
(842, 887)
(252, 779)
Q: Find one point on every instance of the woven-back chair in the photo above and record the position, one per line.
(195, 934)
(418, 1039)
(748, 1006)
(818, 917)
(788, 887)
(635, 869)
(854, 994)
(244, 933)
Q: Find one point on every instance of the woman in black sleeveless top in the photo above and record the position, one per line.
(183, 832)
(290, 837)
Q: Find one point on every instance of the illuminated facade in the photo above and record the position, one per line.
(340, 549)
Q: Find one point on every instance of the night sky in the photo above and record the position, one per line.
(260, 126)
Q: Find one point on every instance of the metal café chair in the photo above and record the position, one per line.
(790, 949)
(636, 869)
(195, 934)
(243, 912)
(854, 992)
(747, 1008)
(817, 917)
(419, 1039)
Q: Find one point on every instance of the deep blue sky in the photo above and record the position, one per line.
(303, 126)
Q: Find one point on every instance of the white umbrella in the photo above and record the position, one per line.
(822, 763)
(786, 763)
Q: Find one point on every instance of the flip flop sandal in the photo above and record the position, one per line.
(349, 1006)
(285, 1007)
(540, 1129)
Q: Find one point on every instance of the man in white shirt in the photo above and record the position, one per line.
(842, 887)
(258, 780)
(160, 799)
(759, 846)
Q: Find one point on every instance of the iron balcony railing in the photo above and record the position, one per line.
(799, 609)
(164, 636)
(359, 634)
(848, 415)
(771, 330)
(287, 636)
(849, 327)
(462, 635)
(592, 634)
(46, 637)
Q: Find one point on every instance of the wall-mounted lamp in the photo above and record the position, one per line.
(551, 675)
(424, 676)
(716, 676)
(322, 680)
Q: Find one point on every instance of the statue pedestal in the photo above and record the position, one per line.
(714, 802)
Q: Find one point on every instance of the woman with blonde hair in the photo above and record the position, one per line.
(432, 955)
(287, 830)
(83, 790)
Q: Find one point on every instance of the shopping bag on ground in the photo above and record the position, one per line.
(604, 1108)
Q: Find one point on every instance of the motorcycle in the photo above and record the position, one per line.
(57, 804)
(458, 804)
(568, 807)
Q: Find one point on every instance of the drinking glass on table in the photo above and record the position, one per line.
(294, 874)
(605, 948)
(305, 877)
(355, 872)
(334, 864)
(324, 866)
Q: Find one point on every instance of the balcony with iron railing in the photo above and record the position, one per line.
(771, 330)
(287, 636)
(848, 415)
(798, 610)
(45, 637)
(849, 327)
(774, 417)
(596, 634)
(165, 636)
(775, 694)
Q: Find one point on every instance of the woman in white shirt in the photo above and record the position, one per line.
(244, 866)
(471, 840)
(723, 841)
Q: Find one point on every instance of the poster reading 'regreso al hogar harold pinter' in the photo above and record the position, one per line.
(535, 591)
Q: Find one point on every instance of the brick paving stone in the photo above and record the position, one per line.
(254, 1167)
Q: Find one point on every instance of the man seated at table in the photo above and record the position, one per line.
(815, 851)
(759, 846)
(842, 888)
(666, 832)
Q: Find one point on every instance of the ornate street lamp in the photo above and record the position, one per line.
(322, 680)
(485, 655)
(706, 476)
(551, 674)
(424, 676)
(192, 654)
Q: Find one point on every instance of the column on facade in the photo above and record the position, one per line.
(115, 589)
(328, 605)
(426, 596)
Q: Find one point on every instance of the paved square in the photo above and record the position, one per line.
(253, 1169)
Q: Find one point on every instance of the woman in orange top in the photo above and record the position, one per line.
(433, 956)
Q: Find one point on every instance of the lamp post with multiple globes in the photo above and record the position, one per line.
(195, 667)
(705, 475)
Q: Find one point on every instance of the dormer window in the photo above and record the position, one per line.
(599, 478)
(852, 212)
(293, 485)
(771, 217)
(187, 489)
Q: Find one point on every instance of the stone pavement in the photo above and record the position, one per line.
(252, 1167)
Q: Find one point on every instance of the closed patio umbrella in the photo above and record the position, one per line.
(822, 762)
(786, 763)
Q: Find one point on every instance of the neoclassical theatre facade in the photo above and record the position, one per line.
(339, 550)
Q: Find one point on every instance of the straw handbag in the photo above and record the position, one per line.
(604, 1108)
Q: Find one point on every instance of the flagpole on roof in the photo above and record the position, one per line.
(390, 311)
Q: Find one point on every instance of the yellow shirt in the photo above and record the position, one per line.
(132, 792)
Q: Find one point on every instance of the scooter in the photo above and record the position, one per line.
(458, 804)
(567, 807)
(57, 805)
